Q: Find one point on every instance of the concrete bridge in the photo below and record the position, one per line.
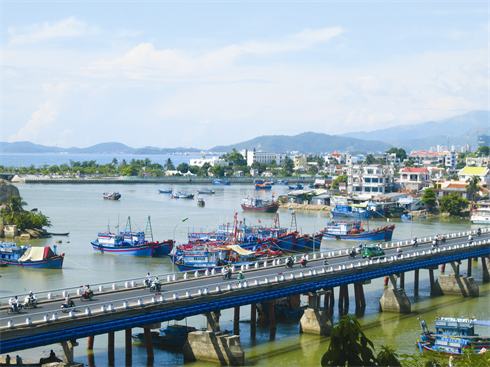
(6, 176)
(123, 305)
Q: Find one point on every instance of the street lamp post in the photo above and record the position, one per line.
(173, 260)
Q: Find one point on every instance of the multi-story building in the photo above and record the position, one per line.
(414, 178)
(213, 161)
(373, 179)
(262, 157)
(468, 173)
(451, 159)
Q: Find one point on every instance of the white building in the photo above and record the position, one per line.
(213, 161)
(263, 157)
(414, 178)
(374, 179)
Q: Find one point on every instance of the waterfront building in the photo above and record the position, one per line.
(468, 173)
(253, 156)
(213, 161)
(372, 179)
(414, 178)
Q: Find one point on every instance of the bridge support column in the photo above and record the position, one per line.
(393, 299)
(149, 344)
(486, 275)
(402, 280)
(213, 320)
(110, 347)
(215, 347)
(468, 272)
(129, 346)
(316, 320)
(416, 282)
(359, 295)
(90, 342)
(236, 321)
(343, 297)
(68, 351)
(272, 314)
(253, 320)
(455, 283)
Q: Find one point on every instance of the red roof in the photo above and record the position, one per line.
(335, 154)
(414, 170)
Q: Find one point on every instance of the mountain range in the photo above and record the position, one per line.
(459, 130)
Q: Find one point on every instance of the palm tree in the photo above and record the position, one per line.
(473, 188)
(169, 165)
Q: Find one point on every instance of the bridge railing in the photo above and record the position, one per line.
(127, 303)
(128, 284)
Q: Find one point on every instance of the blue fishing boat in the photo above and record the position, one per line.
(205, 192)
(453, 335)
(30, 257)
(282, 182)
(308, 243)
(406, 216)
(172, 335)
(298, 186)
(353, 231)
(164, 191)
(182, 195)
(352, 210)
(129, 243)
(261, 185)
(219, 182)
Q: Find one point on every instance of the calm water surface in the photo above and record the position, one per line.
(80, 210)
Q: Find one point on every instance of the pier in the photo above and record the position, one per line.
(123, 305)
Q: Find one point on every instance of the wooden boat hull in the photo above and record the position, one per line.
(148, 250)
(381, 234)
(272, 208)
(55, 262)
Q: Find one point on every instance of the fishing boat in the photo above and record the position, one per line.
(282, 182)
(200, 202)
(298, 186)
(182, 195)
(453, 335)
(352, 210)
(308, 243)
(111, 196)
(395, 210)
(172, 335)
(164, 191)
(129, 243)
(205, 192)
(261, 185)
(30, 257)
(353, 231)
(220, 182)
(406, 216)
(259, 205)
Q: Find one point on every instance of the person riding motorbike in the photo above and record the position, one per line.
(14, 304)
(478, 232)
(353, 252)
(435, 243)
(156, 284)
(240, 277)
(289, 262)
(399, 249)
(443, 238)
(304, 260)
(68, 302)
(470, 238)
(226, 272)
(415, 242)
(31, 298)
(87, 292)
(148, 280)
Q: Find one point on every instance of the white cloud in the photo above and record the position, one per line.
(144, 61)
(68, 27)
(42, 119)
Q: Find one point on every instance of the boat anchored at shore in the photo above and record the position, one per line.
(353, 231)
(30, 257)
(259, 205)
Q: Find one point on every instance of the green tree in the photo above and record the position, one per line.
(483, 151)
(217, 171)
(429, 198)
(169, 165)
(369, 159)
(203, 171)
(183, 168)
(401, 154)
(288, 165)
(335, 183)
(261, 167)
(237, 159)
(460, 165)
(130, 171)
(312, 170)
(473, 187)
(453, 204)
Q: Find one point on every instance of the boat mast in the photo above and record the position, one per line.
(148, 229)
(294, 224)
(128, 225)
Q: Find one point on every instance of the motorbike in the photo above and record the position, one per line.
(65, 307)
(227, 275)
(478, 232)
(443, 239)
(155, 287)
(325, 262)
(415, 243)
(303, 263)
(11, 309)
(87, 296)
(30, 302)
(147, 283)
(352, 254)
(435, 243)
(289, 263)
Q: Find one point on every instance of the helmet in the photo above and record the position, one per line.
(15, 297)
(156, 278)
(30, 293)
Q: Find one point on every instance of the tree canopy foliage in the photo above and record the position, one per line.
(429, 198)
(453, 204)
(13, 213)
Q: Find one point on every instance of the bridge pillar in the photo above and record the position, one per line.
(68, 351)
(456, 284)
(416, 282)
(316, 320)
(110, 347)
(215, 347)
(394, 299)
(236, 321)
(149, 344)
(213, 320)
(402, 280)
(90, 342)
(253, 320)
(486, 275)
(343, 297)
(129, 346)
(359, 295)
(468, 273)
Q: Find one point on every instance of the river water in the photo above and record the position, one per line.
(80, 210)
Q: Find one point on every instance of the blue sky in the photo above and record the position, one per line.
(200, 74)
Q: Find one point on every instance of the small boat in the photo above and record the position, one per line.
(259, 205)
(59, 234)
(112, 196)
(453, 335)
(182, 195)
(164, 191)
(205, 192)
(282, 182)
(30, 257)
(129, 243)
(352, 210)
(406, 216)
(219, 182)
(353, 231)
(480, 215)
(172, 335)
(296, 187)
(200, 202)
(261, 185)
